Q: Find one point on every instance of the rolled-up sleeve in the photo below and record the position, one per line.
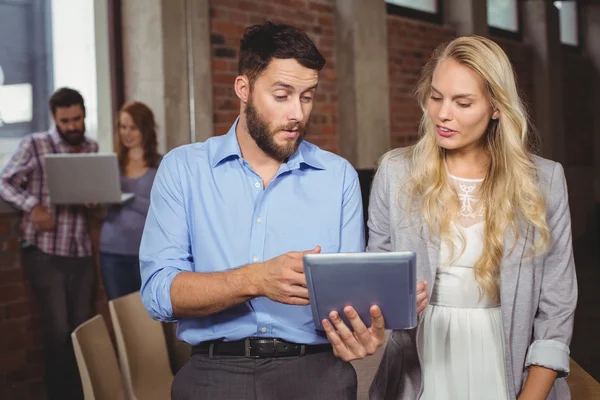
(14, 177)
(553, 323)
(165, 250)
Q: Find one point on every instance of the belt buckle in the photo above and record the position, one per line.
(248, 349)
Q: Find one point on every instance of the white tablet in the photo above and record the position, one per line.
(361, 280)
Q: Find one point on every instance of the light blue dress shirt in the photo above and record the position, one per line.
(209, 212)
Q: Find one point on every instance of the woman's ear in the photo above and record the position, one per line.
(496, 114)
(242, 88)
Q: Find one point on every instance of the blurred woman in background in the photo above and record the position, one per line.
(136, 148)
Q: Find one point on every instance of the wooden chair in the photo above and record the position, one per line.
(583, 386)
(97, 361)
(142, 349)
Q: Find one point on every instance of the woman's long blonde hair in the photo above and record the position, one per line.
(510, 191)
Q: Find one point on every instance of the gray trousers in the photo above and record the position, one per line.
(320, 376)
(64, 291)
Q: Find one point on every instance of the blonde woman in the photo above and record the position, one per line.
(490, 224)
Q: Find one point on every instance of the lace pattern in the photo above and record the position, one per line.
(472, 211)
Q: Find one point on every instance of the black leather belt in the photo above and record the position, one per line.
(259, 348)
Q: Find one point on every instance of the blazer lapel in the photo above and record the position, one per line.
(510, 269)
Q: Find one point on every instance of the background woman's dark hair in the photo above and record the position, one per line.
(143, 118)
(261, 43)
(65, 97)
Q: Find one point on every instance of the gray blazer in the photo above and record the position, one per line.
(538, 294)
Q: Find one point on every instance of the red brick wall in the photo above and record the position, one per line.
(228, 21)
(410, 43)
(20, 336)
(21, 359)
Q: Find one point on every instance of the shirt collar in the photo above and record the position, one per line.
(305, 155)
(230, 148)
(56, 138)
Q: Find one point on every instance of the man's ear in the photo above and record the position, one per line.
(242, 88)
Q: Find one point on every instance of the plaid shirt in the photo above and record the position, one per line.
(23, 185)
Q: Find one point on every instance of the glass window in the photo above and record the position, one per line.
(503, 14)
(569, 28)
(74, 56)
(430, 6)
(45, 45)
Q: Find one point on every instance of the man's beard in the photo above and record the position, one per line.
(265, 138)
(73, 137)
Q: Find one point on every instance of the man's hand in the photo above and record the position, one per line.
(282, 278)
(361, 341)
(42, 219)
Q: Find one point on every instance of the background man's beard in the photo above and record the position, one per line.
(265, 138)
(70, 138)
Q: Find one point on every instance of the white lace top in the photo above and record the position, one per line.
(460, 336)
(472, 211)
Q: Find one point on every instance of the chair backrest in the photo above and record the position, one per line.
(142, 349)
(582, 384)
(97, 361)
(179, 352)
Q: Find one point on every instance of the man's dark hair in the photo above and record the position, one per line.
(65, 97)
(261, 43)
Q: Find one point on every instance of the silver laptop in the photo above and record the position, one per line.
(79, 178)
(361, 280)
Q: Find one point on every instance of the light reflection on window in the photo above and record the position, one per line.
(567, 14)
(503, 14)
(421, 5)
(16, 103)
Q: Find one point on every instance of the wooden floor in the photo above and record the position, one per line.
(583, 386)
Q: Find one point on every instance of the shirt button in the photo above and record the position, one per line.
(259, 220)
(263, 329)
(255, 258)
(257, 184)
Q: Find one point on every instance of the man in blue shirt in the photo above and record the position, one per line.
(229, 222)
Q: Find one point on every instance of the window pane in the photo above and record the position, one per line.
(75, 55)
(421, 5)
(25, 71)
(15, 103)
(44, 45)
(503, 14)
(567, 13)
